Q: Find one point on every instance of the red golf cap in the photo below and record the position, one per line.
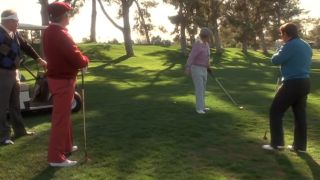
(57, 9)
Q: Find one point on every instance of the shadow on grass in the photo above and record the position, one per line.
(287, 167)
(47, 173)
(313, 165)
(97, 52)
(172, 58)
(137, 129)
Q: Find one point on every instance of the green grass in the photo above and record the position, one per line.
(141, 122)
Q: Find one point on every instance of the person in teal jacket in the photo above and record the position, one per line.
(294, 59)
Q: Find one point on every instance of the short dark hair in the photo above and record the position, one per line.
(290, 29)
(56, 19)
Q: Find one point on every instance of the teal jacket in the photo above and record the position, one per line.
(294, 59)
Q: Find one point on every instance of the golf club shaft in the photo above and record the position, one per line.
(84, 114)
(226, 92)
(275, 91)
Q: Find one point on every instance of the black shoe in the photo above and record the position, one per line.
(27, 133)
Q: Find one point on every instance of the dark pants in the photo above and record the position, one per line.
(292, 93)
(10, 102)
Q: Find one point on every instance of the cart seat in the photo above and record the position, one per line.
(24, 86)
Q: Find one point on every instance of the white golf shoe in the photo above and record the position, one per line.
(66, 163)
(200, 111)
(270, 148)
(291, 148)
(74, 148)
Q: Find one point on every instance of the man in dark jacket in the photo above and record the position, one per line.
(11, 44)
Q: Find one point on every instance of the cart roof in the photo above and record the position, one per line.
(31, 27)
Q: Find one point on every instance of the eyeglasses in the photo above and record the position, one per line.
(14, 21)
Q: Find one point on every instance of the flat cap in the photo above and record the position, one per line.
(57, 9)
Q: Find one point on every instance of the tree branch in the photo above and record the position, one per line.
(109, 18)
(130, 3)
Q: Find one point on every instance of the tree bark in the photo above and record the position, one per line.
(245, 29)
(263, 43)
(93, 22)
(108, 17)
(126, 28)
(183, 39)
(44, 12)
(143, 22)
(215, 30)
(217, 39)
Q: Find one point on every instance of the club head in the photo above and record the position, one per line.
(86, 159)
(265, 138)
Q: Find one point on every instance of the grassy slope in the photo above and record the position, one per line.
(141, 123)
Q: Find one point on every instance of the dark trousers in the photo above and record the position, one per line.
(10, 102)
(292, 93)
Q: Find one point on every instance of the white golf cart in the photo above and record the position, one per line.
(37, 96)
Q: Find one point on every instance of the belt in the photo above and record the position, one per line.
(10, 69)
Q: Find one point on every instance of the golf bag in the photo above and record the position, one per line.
(41, 90)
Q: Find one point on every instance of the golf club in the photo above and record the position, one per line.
(275, 91)
(225, 91)
(84, 117)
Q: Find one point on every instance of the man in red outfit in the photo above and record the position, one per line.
(64, 61)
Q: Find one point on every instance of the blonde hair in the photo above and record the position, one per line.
(205, 33)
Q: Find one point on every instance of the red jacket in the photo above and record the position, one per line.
(62, 54)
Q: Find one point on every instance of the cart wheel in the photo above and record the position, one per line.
(76, 102)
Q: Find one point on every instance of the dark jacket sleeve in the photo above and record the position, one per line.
(27, 48)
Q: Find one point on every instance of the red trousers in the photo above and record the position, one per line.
(61, 137)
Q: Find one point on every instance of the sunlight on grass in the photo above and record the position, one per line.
(141, 122)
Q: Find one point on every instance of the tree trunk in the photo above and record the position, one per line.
(244, 43)
(245, 28)
(93, 22)
(192, 38)
(127, 29)
(183, 39)
(143, 22)
(215, 30)
(44, 12)
(245, 46)
(217, 40)
(263, 43)
(147, 35)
